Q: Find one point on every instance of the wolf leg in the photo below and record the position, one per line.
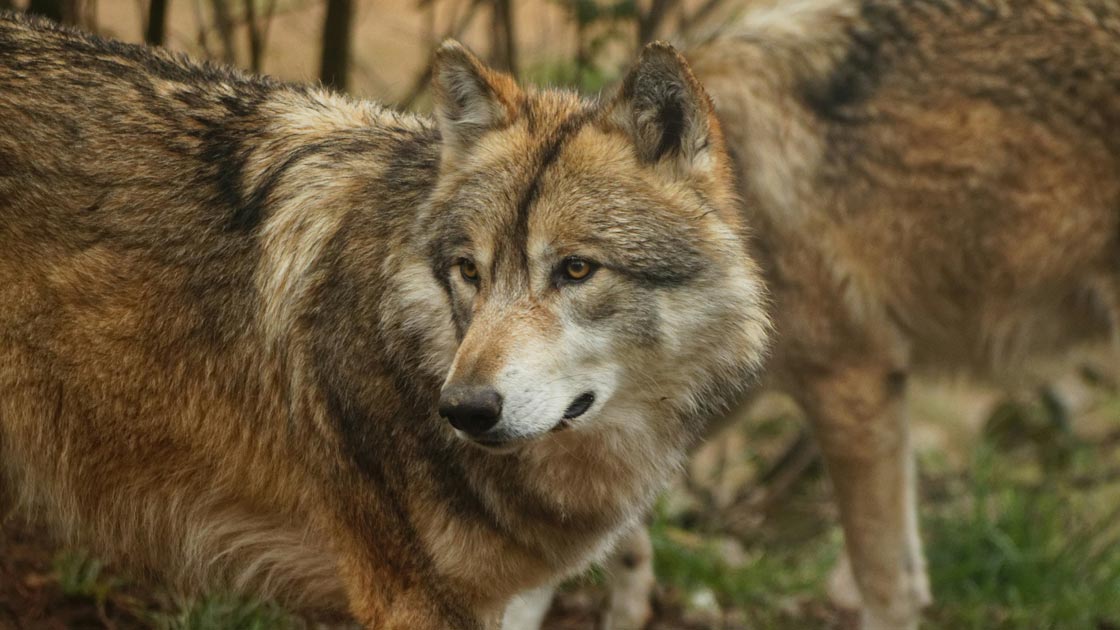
(857, 413)
(630, 568)
(631, 579)
(842, 587)
(916, 555)
(383, 597)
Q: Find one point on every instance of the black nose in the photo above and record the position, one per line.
(471, 409)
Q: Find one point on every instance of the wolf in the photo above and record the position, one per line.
(265, 337)
(933, 186)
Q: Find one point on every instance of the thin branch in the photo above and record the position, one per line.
(503, 53)
(335, 59)
(258, 31)
(203, 30)
(157, 23)
(650, 22)
(779, 479)
(224, 24)
(425, 77)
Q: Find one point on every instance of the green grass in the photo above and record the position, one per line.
(81, 576)
(228, 613)
(1015, 547)
(1011, 555)
(762, 586)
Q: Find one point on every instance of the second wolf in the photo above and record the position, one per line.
(935, 185)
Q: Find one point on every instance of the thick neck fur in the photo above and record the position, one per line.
(379, 339)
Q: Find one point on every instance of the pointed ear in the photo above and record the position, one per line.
(470, 99)
(666, 111)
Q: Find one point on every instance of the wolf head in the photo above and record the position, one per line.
(591, 253)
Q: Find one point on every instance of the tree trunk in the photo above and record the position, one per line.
(224, 23)
(334, 68)
(503, 46)
(455, 30)
(255, 43)
(583, 59)
(157, 23)
(62, 11)
(652, 19)
(258, 31)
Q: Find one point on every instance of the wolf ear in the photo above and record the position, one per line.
(470, 99)
(666, 111)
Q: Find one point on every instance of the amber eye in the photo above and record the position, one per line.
(577, 269)
(468, 270)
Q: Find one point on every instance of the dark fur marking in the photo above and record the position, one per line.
(258, 201)
(548, 155)
(96, 205)
(222, 133)
(855, 79)
(417, 396)
(224, 143)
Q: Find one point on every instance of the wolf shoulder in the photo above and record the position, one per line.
(91, 124)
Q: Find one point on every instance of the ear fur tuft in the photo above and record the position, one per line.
(665, 110)
(470, 98)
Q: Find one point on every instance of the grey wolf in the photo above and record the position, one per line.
(232, 312)
(934, 186)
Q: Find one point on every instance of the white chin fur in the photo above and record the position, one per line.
(539, 386)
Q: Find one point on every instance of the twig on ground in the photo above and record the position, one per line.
(774, 484)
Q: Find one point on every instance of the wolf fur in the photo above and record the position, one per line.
(228, 307)
(934, 185)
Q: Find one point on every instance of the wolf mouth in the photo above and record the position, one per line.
(579, 406)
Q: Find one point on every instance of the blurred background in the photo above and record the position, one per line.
(1020, 483)
(382, 48)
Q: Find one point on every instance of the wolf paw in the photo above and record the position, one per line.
(901, 614)
(634, 614)
(841, 588)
